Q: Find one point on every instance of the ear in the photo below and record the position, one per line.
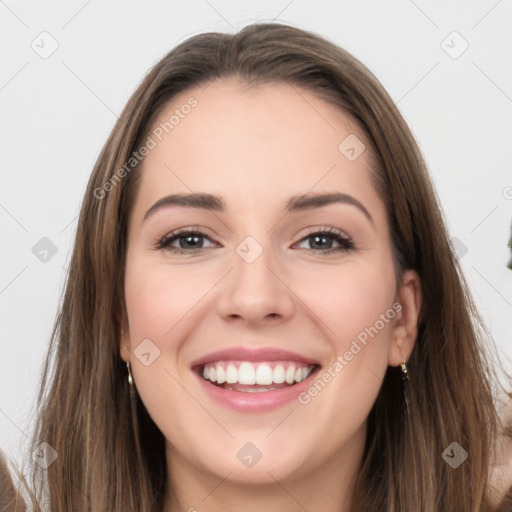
(124, 338)
(405, 329)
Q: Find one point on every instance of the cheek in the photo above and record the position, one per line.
(157, 299)
(157, 303)
(355, 306)
(352, 300)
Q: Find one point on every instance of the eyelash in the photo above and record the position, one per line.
(346, 243)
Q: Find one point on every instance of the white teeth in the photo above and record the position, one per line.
(278, 374)
(264, 375)
(257, 390)
(221, 374)
(246, 374)
(253, 390)
(254, 374)
(290, 374)
(231, 374)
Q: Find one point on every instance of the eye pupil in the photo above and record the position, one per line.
(319, 242)
(194, 239)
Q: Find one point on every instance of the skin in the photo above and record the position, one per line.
(256, 147)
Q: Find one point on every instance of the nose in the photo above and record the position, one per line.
(256, 292)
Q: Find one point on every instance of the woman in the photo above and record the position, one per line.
(263, 310)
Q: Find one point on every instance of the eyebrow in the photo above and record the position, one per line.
(296, 203)
(310, 201)
(195, 200)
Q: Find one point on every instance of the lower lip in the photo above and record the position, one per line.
(255, 402)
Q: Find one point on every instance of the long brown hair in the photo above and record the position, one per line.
(110, 453)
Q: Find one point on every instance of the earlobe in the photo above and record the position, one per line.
(124, 342)
(405, 329)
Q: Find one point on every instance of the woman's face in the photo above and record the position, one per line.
(259, 251)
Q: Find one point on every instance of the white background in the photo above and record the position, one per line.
(57, 113)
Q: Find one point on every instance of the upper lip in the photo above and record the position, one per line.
(252, 354)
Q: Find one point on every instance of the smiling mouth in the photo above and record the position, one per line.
(255, 377)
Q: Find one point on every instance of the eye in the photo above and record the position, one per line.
(189, 241)
(328, 241)
(184, 241)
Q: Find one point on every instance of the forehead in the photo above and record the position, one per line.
(254, 144)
